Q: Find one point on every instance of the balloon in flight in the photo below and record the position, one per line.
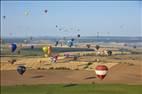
(21, 69)
(13, 47)
(46, 11)
(72, 39)
(88, 45)
(26, 13)
(101, 71)
(45, 49)
(70, 43)
(109, 53)
(97, 47)
(32, 46)
(49, 50)
(56, 44)
(78, 35)
(4, 17)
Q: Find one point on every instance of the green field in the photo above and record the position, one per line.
(73, 89)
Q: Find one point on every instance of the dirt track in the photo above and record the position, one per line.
(121, 73)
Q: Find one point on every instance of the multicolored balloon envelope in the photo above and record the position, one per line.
(21, 69)
(101, 71)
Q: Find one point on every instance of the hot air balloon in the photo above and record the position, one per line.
(54, 58)
(49, 50)
(109, 53)
(45, 49)
(72, 39)
(88, 45)
(32, 46)
(101, 71)
(12, 61)
(78, 35)
(97, 47)
(56, 43)
(4, 17)
(70, 43)
(13, 47)
(46, 11)
(26, 13)
(21, 69)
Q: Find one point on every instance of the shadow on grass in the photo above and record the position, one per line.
(92, 77)
(37, 76)
(70, 85)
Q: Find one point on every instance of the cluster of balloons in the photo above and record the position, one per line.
(28, 12)
(69, 43)
(64, 28)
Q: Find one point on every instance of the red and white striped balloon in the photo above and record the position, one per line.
(101, 71)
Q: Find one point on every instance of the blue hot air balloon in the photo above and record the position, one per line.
(70, 43)
(13, 47)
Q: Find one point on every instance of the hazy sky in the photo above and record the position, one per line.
(109, 18)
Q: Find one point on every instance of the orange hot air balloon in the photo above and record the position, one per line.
(49, 50)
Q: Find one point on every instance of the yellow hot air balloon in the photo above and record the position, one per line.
(45, 49)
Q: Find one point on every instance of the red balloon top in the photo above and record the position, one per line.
(101, 67)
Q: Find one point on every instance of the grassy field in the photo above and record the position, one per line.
(73, 89)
